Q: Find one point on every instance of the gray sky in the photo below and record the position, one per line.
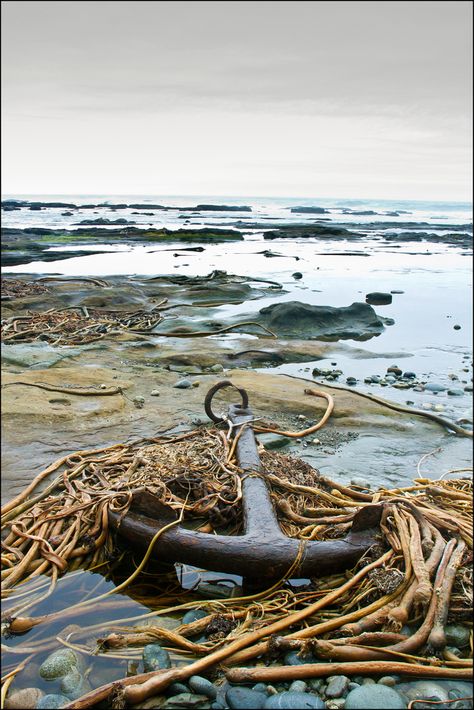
(343, 99)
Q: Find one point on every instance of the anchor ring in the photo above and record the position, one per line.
(216, 388)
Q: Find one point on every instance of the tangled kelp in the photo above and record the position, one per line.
(15, 288)
(419, 571)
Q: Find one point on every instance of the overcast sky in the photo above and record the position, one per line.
(328, 99)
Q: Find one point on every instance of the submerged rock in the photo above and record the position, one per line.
(25, 699)
(155, 657)
(358, 321)
(59, 664)
(51, 701)
(378, 298)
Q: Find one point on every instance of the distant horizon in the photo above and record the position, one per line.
(19, 195)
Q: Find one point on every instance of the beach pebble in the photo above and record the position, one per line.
(260, 687)
(438, 408)
(337, 686)
(49, 702)
(457, 635)
(273, 441)
(456, 392)
(245, 699)
(292, 659)
(289, 700)
(25, 699)
(183, 384)
(188, 701)
(196, 383)
(335, 703)
(297, 275)
(427, 405)
(434, 387)
(59, 664)
(395, 370)
(176, 689)
(193, 615)
(456, 327)
(374, 696)
(388, 680)
(298, 686)
(138, 402)
(423, 690)
(409, 375)
(360, 483)
(202, 686)
(316, 442)
(216, 368)
(74, 685)
(351, 380)
(155, 657)
(377, 298)
(155, 393)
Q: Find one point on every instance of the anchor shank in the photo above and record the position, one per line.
(260, 520)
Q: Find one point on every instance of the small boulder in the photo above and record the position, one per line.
(378, 298)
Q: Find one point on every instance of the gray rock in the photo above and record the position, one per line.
(74, 685)
(155, 393)
(457, 635)
(49, 702)
(409, 375)
(377, 298)
(216, 368)
(59, 664)
(245, 699)
(187, 700)
(176, 689)
(260, 688)
(375, 379)
(458, 693)
(289, 700)
(434, 387)
(456, 392)
(292, 659)
(423, 690)
(456, 327)
(193, 615)
(273, 441)
(337, 686)
(298, 686)
(374, 696)
(297, 275)
(155, 657)
(183, 384)
(25, 699)
(202, 686)
(351, 380)
(388, 680)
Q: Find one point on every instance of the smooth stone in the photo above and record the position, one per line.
(455, 392)
(375, 378)
(337, 686)
(389, 321)
(456, 327)
(216, 368)
(49, 702)
(183, 384)
(315, 684)
(457, 635)
(155, 393)
(409, 375)
(292, 659)
(335, 703)
(245, 699)
(390, 379)
(59, 664)
(260, 687)
(423, 690)
(389, 680)
(298, 686)
(351, 380)
(395, 370)
(176, 689)
(438, 408)
(360, 482)
(297, 275)
(373, 697)
(273, 441)
(26, 699)
(155, 658)
(434, 387)
(74, 685)
(289, 700)
(193, 615)
(377, 298)
(368, 681)
(202, 686)
(187, 700)
(457, 694)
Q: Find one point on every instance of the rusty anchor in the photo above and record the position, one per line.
(263, 552)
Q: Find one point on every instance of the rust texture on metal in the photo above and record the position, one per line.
(263, 551)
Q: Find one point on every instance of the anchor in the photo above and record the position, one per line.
(263, 552)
